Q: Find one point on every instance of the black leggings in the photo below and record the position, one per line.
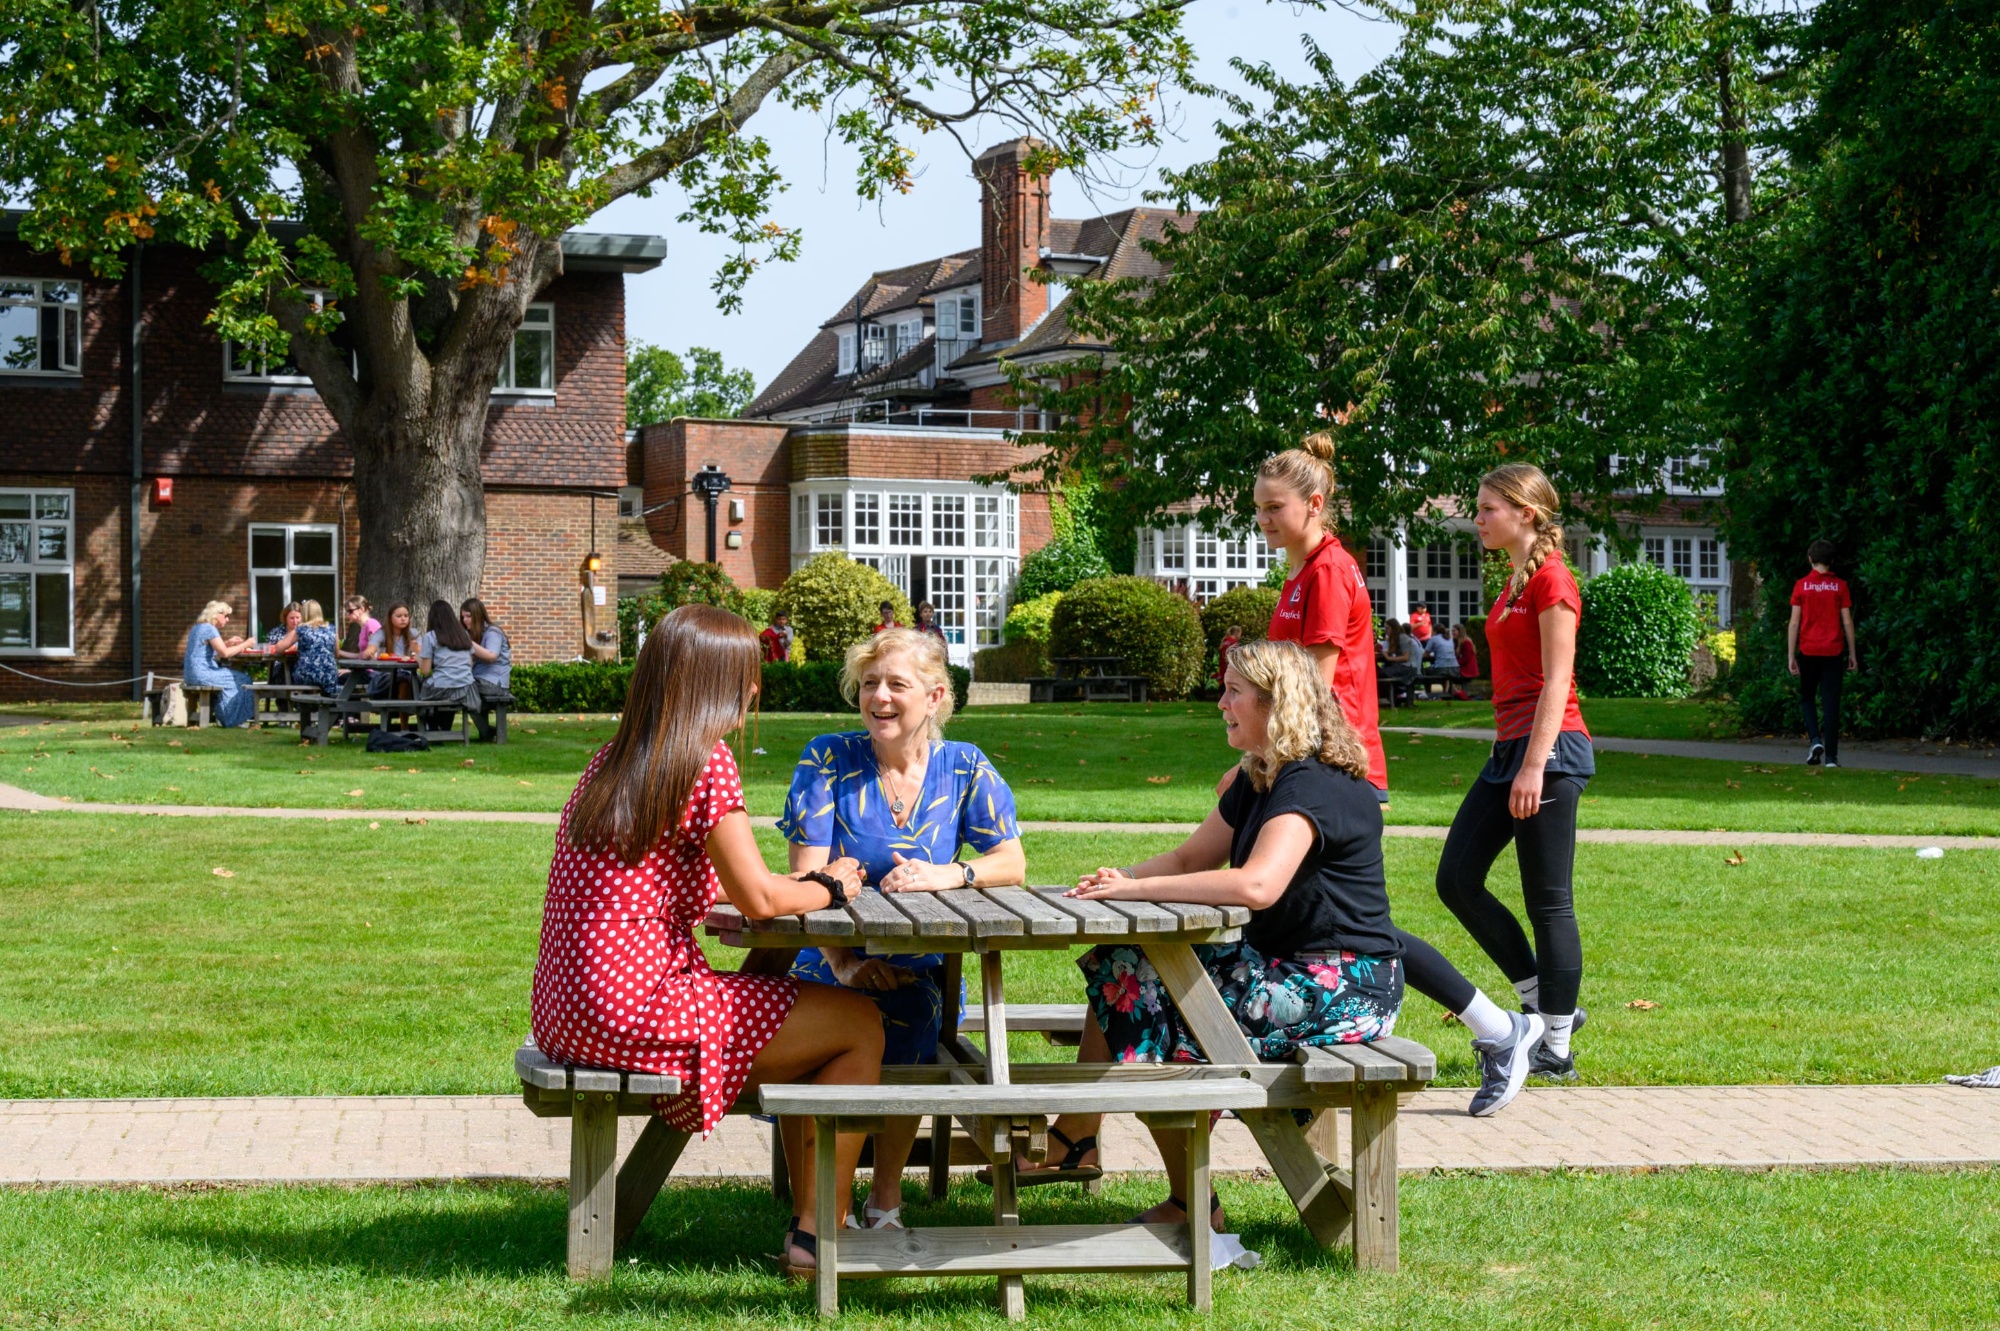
(1426, 971)
(1546, 848)
(1822, 676)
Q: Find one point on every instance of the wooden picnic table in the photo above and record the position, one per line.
(989, 924)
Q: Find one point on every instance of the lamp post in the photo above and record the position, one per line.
(710, 483)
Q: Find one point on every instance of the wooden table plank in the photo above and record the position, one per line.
(1192, 915)
(929, 917)
(1370, 1064)
(1146, 917)
(1234, 917)
(876, 918)
(1096, 919)
(987, 919)
(829, 922)
(1043, 920)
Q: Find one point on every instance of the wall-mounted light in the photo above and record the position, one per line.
(736, 510)
(734, 540)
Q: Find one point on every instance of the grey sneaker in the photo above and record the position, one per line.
(1831, 763)
(1503, 1064)
(1547, 1064)
(1815, 755)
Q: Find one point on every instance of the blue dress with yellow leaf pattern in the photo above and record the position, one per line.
(838, 801)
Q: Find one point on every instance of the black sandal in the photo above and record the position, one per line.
(1067, 1170)
(804, 1242)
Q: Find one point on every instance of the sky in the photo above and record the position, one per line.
(844, 238)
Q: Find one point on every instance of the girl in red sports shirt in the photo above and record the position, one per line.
(1324, 608)
(1821, 631)
(1541, 761)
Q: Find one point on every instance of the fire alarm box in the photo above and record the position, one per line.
(163, 491)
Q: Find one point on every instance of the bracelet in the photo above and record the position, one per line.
(836, 893)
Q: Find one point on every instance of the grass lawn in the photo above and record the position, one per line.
(1693, 1250)
(140, 971)
(1101, 763)
(1623, 718)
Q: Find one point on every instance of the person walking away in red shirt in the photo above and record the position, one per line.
(1820, 633)
(776, 640)
(1324, 608)
(1532, 783)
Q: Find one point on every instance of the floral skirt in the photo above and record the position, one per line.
(1348, 998)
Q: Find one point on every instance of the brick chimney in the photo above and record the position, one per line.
(1013, 230)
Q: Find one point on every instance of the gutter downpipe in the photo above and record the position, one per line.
(138, 503)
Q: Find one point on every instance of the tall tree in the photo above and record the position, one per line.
(435, 151)
(660, 385)
(1499, 244)
(1868, 370)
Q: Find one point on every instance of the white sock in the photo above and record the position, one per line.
(1556, 1040)
(1530, 991)
(1483, 1017)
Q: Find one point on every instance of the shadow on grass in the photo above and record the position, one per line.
(704, 1248)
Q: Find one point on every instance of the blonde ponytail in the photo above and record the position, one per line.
(1306, 470)
(1526, 486)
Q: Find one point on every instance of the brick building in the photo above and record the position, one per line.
(193, 472)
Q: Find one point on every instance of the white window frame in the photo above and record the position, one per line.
(988, 519)
(906, 521)
(867, 520)
(1207, 550)
(1682, 555)
(1173, 550)
(874, 346)
(292, 531)
(46, 297)
(829, 520)
(950, 594)
(990, 581)
(35, 570)
(262, 370)
(801, 520)
(948, 522)
(1655, 550)
(845, 363)
(909, 332)
(1708, 559)
(539, 319)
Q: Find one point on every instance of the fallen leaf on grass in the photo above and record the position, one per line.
(413, 771)
(533, 731)
(382, 767)
(416, 822)
(468, 762)
(173, 744)
(175, 789)
(223, 873)
(524, 783)
(1080, 762)
(1158, 780)
(1642, 1005)
(1031, 781)
(1736, 858)
(1415, 740)
(1733, 785)
(1450, 1019)
(355, 793)
(374, 827)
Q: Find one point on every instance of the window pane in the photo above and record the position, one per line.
(906, 519)
(52, 610)
(14, 625)
(13, 506)
(948, 597)
(72, 339)
(948, 520)
(14, 548)
(312, 549)
(52, 545)
(267, 549)
(47, 506)
(62, 293)
(534, 358)
(539, 316)
(20, 337)
(868, 519)
(267, 594)
(317, 587)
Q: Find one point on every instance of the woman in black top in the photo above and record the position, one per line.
(1298, 839)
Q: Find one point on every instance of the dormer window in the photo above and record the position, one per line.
(846, 351)
(874, 345)
(958, 318)
(908, 333)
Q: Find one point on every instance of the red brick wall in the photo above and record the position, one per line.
(1014, 226)
(535, 543)
(753, 455)
(196, 424)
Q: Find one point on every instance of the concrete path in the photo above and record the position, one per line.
(13, 797)
(384, 1138)
(1871, 755)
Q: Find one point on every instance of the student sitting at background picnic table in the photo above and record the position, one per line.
(316, 644)
(444, 659)
(364, 637)
(654, 833)
(399, 639)
(280, 671)
(201, 665)
(902, 800)
(1467, 656)
(885, 618)
(492, 662)
(1300, 832)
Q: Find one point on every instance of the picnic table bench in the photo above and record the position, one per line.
(319, 712)
(985, 1108)
(1087, 679)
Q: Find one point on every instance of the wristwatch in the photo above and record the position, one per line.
(970, 877)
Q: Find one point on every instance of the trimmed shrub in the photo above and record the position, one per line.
(832, 601)
(812, 687)
(754, 604)
(1061, 564)
(1156, 630)
(1015, 663)
(1028, 621)
(1274, 576)
(1250, 607)
(1638, 634)
(571, 686)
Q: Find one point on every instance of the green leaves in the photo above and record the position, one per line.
(660, 385)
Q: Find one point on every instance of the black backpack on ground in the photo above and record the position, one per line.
(397, 741)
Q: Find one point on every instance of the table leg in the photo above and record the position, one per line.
(954, 983)
(1375, 1218)
(1006, 1194)
(1012, 1294)
(1305, 1175)
(644, 1172)
(826, 1215)
(994, 994)
(1201, 1279)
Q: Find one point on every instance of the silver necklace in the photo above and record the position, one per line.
(895, 800)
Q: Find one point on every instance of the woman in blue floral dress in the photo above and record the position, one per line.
(904, 801)
(316, 642)
(1300, 834)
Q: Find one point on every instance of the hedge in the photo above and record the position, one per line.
(1250, 607)
(1638, 634)
(585, 686)
(834, 602)
(1014, 663)
(1155, 630)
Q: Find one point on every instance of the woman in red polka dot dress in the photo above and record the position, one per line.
(655, 830)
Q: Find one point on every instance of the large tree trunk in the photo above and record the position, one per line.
(1735, 166)
(423, 508)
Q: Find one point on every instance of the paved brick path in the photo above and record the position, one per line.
(364, 1138)
(1888, 755)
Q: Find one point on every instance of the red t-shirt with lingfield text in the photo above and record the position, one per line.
(1514, 650)
(1327, 601)
(1820, 598)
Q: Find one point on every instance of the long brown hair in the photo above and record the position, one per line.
(1525, 486)
(694, 680)
(446, 628)
(475, 607)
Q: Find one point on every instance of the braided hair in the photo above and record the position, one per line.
(1525, 486)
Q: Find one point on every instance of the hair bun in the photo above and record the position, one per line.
(1320, 445)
